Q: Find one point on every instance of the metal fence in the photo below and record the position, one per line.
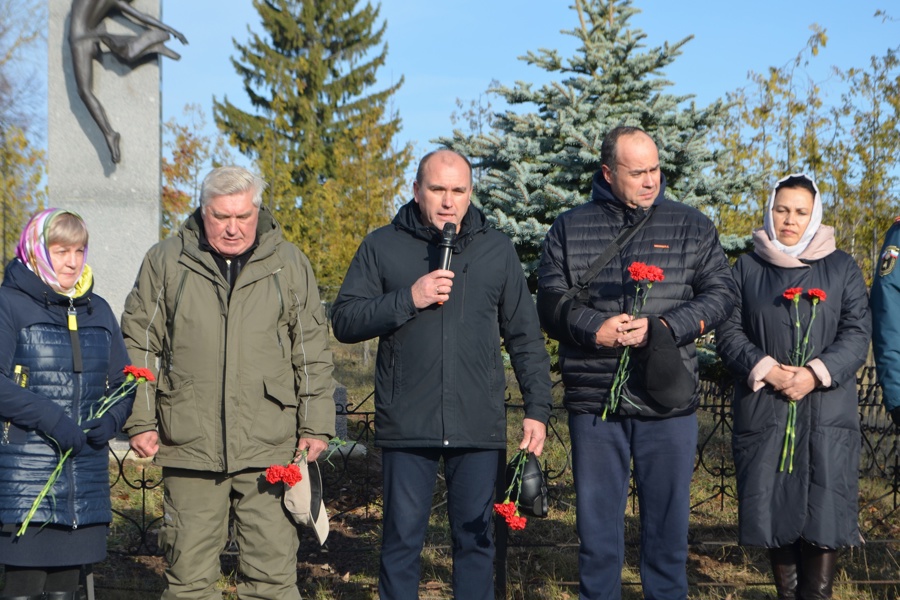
(354, 479)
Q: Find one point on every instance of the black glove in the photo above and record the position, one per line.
(100, 431)
(895, 415)
(68, 435)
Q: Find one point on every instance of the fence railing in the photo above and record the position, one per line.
(354, 480)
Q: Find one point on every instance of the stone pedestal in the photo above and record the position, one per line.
(119, 202)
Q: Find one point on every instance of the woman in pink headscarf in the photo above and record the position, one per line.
(60, 351)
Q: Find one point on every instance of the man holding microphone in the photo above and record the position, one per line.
(439, 378)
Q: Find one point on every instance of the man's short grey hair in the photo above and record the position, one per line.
(225, 181)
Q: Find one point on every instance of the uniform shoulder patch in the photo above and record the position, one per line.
(888, 260)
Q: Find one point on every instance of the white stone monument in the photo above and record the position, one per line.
(120, 202)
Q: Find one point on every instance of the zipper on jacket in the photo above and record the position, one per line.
(70, 464)
(72, 322)
(465, 278)
(280, 314)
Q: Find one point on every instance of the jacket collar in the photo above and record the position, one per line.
(19, 277)
(821, 245)
(196, 245)
(603, 195)
(409, 219)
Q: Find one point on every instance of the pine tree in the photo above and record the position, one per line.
(540, 163)
(22, 188)
(190, 153)
(308, 79)
(341, 211)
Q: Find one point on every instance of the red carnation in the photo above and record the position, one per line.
(273, 473)
(291, 475)
(643, 272)
(139, 373)
(791, 293)
(516, 523)
(505, 510)
(816, 294)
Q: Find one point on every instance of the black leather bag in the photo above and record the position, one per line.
(533, 498)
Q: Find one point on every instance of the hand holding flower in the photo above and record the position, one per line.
(801, 382)
(608, 333)
(633, 333)
(778, 377)
(134, 376)
(100, 431)
(311, 447)
(533, 435)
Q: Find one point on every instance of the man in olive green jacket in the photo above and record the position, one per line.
(230, 313)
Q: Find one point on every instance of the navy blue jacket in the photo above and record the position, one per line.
(34, 334)
(697, 294)
(439, 377)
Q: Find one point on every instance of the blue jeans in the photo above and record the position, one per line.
(409, 478)
(663, 452)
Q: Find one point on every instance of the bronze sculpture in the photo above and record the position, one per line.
(86, 32)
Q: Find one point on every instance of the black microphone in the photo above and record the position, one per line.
(448, 242)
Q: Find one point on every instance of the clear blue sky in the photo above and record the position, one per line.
(450, 50)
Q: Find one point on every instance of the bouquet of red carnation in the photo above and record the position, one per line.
(508, 509)
(134, 376)
(800, 355)
(288, 474)
(642, 274)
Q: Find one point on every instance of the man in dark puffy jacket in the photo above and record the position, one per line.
(653, 425)
(439, 380)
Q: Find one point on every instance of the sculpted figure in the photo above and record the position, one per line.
(87, 31)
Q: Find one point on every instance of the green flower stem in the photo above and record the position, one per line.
(519, 459)
(98, 410)
(43, 493)
(795, 355)
(623, 370)
(790, 438)
(807, 351)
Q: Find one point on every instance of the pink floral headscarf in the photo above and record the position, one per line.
(33, 252)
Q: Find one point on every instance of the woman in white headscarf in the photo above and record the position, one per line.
(794, 345)
(60, 351)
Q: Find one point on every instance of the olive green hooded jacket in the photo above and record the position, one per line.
(240, 378)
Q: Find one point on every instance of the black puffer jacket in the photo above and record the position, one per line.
(697, 294)
(439, 378)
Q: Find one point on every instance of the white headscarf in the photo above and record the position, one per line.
(814, 222)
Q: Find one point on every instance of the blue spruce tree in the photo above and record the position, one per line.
(535, 164)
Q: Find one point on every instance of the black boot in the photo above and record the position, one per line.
(784, 568)
(817, 566)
